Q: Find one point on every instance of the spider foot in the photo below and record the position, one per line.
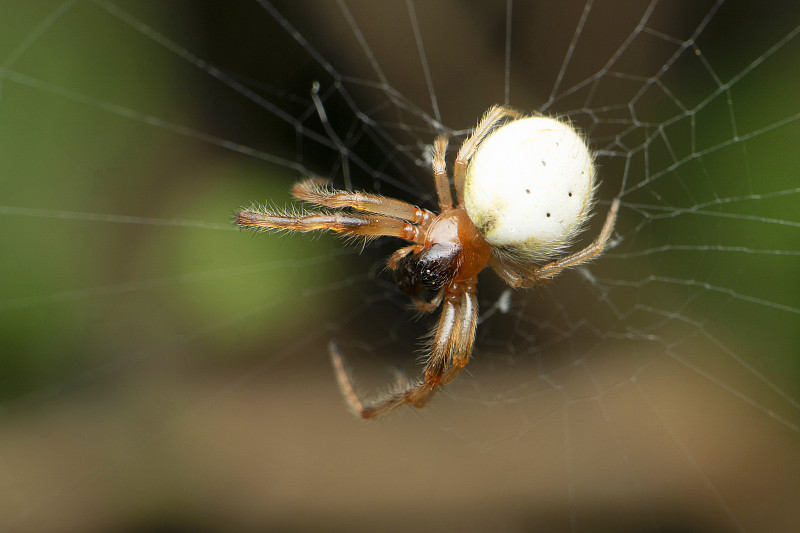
(344, 381)
(416, 394)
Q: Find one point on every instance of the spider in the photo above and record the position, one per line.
(524, 187)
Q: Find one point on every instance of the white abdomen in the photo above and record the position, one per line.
(529, 187)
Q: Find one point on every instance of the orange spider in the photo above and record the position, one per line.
(523, 191)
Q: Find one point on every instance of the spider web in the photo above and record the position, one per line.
(161, 370)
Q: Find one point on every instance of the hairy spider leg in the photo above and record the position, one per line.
(467, 150)
(448, 361)
(366, 225)
(440, 178)
(465, 335)
(452, 344)
(317, 191)
(528, 277)
(409, 394)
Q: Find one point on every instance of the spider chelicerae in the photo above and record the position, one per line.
(524, 188)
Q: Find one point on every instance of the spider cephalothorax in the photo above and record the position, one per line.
(453, 250)
(523, 191)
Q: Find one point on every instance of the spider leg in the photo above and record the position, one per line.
(461, 339)
(516, 276)
(465, 334)
(551, 270)
(452, 344)
(316, 191)
(536, 275)
(467, 150)
(401, 253)
(366, 225)
(440, 173)
(424, 306)
(408, 394)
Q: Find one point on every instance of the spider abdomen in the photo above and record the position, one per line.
(530, 187)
